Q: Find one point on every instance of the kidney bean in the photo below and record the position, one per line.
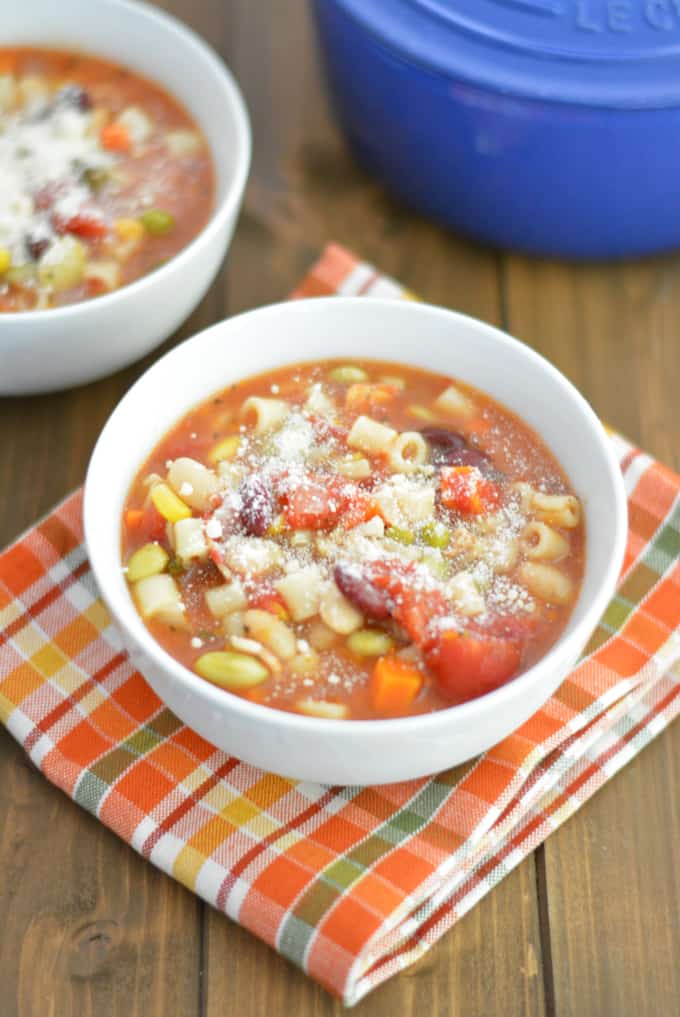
(257, 506)
(75, 97)
(36, 246)
(353, 584)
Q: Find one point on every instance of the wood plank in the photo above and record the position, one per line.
(88, 927)
(305, 190)
(611, 873)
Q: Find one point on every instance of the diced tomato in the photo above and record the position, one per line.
(358, 508)
(82, 225)
(520, 628)
(95, 287)
(147, 524)
(466, 666)
(416, 610)
(467, 490)
(369, 398)
(312, 506)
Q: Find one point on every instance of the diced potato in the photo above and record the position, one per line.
(354, 468)
(168, 504)
(182, 142)
(158, 598)
(31, 90)
(319, 402)
(8, 92)
(63, 265)
(272, 632)
(223, 600)
(320, 636)
(348, 374)
(465, 593)
(301, 592)
(304, 663)
(146, 561)
(252, 555)
(455, 403)
(190, 542)
(233, 624)
(193, 482)
(337, 612)
(322, 708)
(136, 123)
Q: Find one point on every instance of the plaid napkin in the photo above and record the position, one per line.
(352, 884)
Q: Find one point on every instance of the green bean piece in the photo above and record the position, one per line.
(157, 222)
(435, 535)
(370, 643)
(231, 670)
(400, 535)
(96, 178)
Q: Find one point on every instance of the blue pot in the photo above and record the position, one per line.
(550, 126)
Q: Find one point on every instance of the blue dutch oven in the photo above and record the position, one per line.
(551, 126)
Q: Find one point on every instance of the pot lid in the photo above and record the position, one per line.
(611, 53)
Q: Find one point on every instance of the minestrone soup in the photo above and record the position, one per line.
(103, 177)
(353, 540)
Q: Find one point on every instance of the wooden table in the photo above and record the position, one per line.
(590, 924)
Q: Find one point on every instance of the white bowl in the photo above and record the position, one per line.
(376, 751)
(45, 350)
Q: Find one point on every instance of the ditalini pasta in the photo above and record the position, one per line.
(353, 540)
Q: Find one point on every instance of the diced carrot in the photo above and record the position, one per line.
(367, 398)
(133, 518)
(115, 138)
(394, 685)
(467, 490)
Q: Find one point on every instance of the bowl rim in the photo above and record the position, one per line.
(222, 210)
(567, 645)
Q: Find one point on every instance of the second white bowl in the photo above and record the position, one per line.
(45, 350)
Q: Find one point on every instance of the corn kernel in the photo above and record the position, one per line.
(168, 504)
(225, 449)
(5, 260)
(129, 229)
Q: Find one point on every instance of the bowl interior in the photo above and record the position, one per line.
(428, 337)
(154, 45)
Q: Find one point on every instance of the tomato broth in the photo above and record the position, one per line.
(104, 176)
(353, 540)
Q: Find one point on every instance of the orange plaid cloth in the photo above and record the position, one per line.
(352, 884)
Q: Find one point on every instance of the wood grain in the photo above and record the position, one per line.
(611, 872)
